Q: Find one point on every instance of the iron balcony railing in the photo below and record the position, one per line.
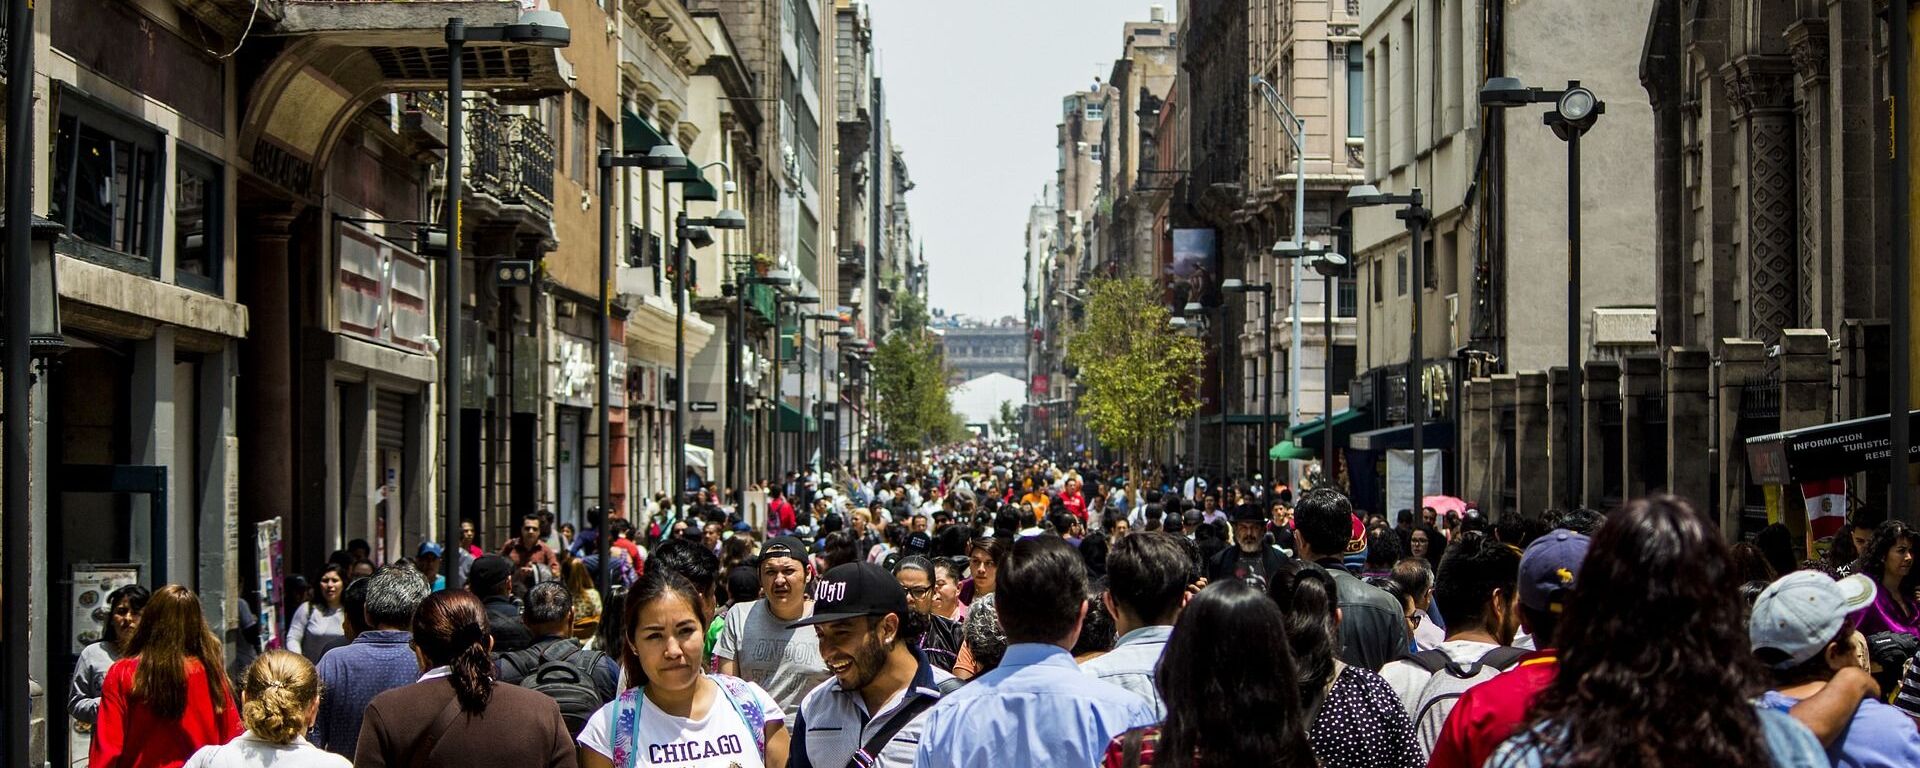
(510, 155)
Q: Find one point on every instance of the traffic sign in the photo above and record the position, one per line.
(703, 406)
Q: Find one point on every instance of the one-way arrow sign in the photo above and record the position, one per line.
(703, 406)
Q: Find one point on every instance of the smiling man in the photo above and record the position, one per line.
(870, 712)
(757, 645)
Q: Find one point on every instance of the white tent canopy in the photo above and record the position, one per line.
(699, 458)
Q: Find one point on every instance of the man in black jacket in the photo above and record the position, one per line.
(491, 578)
(1372, 629)
(941, 641)
(1250, 558)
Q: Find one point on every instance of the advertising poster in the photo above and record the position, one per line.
(91, 586)
(1195, 269)
(267, 542)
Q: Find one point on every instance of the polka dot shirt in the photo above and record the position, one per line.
(1363, 725)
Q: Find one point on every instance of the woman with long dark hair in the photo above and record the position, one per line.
(456, 716)
(1662, 672)
(169, 696)
(319, 624)
(671, 702)
(1210, 704)
(1427, 543)
(1358, 721)
(90, 674)
(1889, 562)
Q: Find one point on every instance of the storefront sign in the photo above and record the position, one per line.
(1824, 452)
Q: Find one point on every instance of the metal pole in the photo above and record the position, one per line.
(455, 382)
(1901, 333)
(820, 442)
(737, 397)
(20, 514)
(1220, 437)
(1266, 398)
(1576, 490)
(1293, 279)
(1326, 391)
(778, 471)
(605, 376)
(679, 446)
(1416, 359)
(800, 360)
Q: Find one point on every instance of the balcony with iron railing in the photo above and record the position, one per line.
(510, 156)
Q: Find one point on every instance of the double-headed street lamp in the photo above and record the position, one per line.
(1574, 111)
(1414, 212)
(736, 389)
(1235, 285)
(688, 232)
(1328, 265)
(538, 29)
(660, 158)
(779, 384)
(1296, 128)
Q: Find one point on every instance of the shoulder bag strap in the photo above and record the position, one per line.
(747, 707)
(869, 755)
(430, 738)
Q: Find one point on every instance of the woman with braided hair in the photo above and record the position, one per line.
(278, 700)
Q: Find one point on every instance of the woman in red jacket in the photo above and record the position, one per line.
(169, 696)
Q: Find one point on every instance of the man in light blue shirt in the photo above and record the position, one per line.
(1037, 708)
(1147, 579)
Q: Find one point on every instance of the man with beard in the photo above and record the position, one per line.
(1250, 558)
(871, 711)
(756, 644)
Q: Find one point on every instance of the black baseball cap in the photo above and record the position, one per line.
(854, 589)
(784, 546)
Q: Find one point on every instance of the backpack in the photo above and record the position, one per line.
(567, 679)
(1449, 680)
(739, 697)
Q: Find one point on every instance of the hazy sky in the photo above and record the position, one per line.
(973, 91)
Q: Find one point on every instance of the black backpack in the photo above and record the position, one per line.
(566, 677)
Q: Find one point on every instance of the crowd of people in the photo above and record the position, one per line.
(987, 606)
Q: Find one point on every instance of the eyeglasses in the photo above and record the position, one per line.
(918, 592)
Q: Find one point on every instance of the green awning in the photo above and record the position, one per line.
(791, 418)
(1287, 450)
(697, 186)
(1344, 423)
(637, 135)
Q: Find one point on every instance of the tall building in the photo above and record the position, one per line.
(1493, 296)
(976, 348)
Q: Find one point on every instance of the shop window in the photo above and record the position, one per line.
(197, 223)
(106, 185)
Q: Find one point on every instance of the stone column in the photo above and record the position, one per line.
(1477, 438)
(1531, 476)
(1640, 396)
(1761, 91)
(1689, 417)
(151, 394)
(1807, 39)
(267, 479)
(1740, 361)
(1601, 395)
(1559, 464)
(1806, 400)
(1500, 481)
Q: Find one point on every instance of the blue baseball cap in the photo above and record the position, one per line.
(1550, 568)
(430, 548)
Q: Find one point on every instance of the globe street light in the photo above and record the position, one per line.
(1574, 112)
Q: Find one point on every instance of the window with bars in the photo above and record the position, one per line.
(581, 171)
(198, 191)
(602, 135)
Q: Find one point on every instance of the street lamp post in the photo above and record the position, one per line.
(659, 158)
(1329, 265)
(736, 390)
(779, 383)
(540, 29)
(1235, 285)
(1414, 212)
(1296, 128)
(820, 374)
(688, 232)
(1574, 112)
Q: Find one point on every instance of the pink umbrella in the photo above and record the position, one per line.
(1445, 505)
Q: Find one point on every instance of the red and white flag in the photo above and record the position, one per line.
(1826, 505)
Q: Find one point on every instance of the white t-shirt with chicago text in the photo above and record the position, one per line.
(719, 740)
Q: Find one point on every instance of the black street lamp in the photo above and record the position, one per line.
(779, 384)
(1414, 212)
(1574, 112)
(1329, 265)
(688, 232)
(1235, 285)
(819, 411)
(736, 389)
(660, 158)
(538, 29)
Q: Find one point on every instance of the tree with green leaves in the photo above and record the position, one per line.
(1140, 376)
(1008, 421)
(910, 374)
